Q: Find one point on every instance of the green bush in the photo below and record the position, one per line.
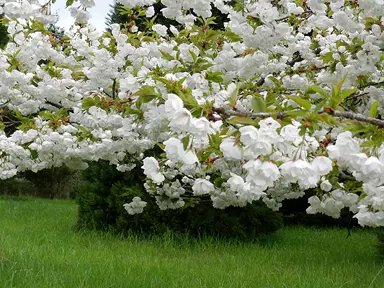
(294, 213)
(103, 191)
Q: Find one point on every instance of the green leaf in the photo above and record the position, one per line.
(374, 112)
(185, 141)
(214, 77)
(336, 96)
(301, 102)
(219, 182)
(242, 120)
(145, 90)
(89, 102)
(69, 2)
(232, 36)
(148, 39)
(320, 105)
(368, 143)
(340, 84)
(193, 54)
(146, 94)
(362, 196)
(381, 58)
(369, 22)
(346, 93)
(327, 57)
(274, 80)
(317, 89)
(162, 146)
(200, 20)
(326, 118)
(233, 97)
(258, 104)
(300, 113)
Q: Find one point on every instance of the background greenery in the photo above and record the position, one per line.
(49, 183)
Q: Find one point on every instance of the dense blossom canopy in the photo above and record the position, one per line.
(289, 97)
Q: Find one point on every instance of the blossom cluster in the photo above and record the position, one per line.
(286, 99)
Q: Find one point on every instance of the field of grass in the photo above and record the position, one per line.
(40, 248)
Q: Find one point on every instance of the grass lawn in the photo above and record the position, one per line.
(39, 248)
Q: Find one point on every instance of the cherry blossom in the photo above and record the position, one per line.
(287, 98)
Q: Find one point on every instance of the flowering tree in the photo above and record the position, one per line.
(287, 98)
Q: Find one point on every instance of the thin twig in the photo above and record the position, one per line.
(371, 84)
(54, 104)
(106, 93)
(114, 89)
(310, 12)
(5, 103)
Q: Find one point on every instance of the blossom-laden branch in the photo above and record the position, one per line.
(281, 115)
(227, 164)
(229, 113)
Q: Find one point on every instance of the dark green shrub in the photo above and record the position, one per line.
(294, 211)
(103, 192)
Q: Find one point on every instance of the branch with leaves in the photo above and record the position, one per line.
(225, 114)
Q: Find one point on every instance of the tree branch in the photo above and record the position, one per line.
(227, 114)
(281, 115)
(358, 117)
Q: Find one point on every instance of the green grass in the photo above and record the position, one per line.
(39, 248)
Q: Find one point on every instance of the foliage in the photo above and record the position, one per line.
(103, 192)
(15, 187)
